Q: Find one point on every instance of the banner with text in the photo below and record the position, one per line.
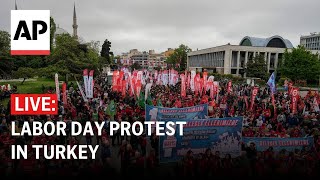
(218, 134)
(289, 144)
(154, 113)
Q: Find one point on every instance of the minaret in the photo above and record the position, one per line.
(75, 25)
(15, 5)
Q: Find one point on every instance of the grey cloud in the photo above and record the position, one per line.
(160, 24)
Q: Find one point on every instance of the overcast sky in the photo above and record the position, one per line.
(162, 24)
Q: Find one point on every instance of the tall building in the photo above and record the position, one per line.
(75, 25)
(141, 59)
(311, 42)
(147, 60)
(232, 59)
(156, 60)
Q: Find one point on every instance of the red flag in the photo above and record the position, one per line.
(211, 87)
(229, 86)
(205, 80)
(253, 96)
(188, 80)
(123, 90)
(115, 80)
(183, 85)
(138, 87)
(246, 101)
(290, 87)
(64, 94)
(197, 84)
(201, 85)
(294, 99)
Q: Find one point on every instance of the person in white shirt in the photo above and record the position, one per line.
(259, 122)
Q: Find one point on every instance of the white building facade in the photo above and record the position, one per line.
(311, 42)
(232, 59)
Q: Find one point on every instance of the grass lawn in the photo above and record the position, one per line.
(31, 87)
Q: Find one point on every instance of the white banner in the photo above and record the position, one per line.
(90, 85)
(165, 77)
(193, 74)
(148, 87)
(85, 81)
(82, 94)
(56, 80)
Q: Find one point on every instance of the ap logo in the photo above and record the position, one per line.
(30, 32)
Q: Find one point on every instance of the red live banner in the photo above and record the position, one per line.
(34, 104)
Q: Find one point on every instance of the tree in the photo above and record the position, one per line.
(300, 64)
(257, 67)
(24, 72)
(4, 42)
(179, 57)
(136, 65)
(6, 61)
(106, 51)
(72, 57)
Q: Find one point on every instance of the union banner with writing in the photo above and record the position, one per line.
(218, 134)
(289, 144)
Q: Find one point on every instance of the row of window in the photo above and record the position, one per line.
(313, 39)
(216, 59)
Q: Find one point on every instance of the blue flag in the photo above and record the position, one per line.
(271, 83)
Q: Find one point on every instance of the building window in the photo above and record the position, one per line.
(272, 60)
(233, 71)
(234, 59)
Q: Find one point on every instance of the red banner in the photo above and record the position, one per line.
(201, 83)
(246, 101)
(64, 94)
(253, 96)
(115, 76)
(188, 80)
(205, 80)
(197, 84)
(211, 87)
(123, 88)
(294, 99)
(183, 85)
(138, 87)
(229, 87)
(290, 87)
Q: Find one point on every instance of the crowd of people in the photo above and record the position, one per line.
(139, 156)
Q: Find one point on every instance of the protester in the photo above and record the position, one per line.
(261, 119)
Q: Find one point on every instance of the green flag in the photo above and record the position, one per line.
(149, 100)
(159, 103)
(141, 101)
(111, 109)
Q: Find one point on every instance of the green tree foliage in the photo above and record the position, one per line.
(300, 64)
(68, 56)
(72, 57)
(106, 51)
(179, 56)
(6, 61)
(4, 42)
(257, 67)
(24, 72)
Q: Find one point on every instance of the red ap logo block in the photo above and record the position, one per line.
(30, 32)
(34, 104)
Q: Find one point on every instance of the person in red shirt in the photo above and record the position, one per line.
(177, 104)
